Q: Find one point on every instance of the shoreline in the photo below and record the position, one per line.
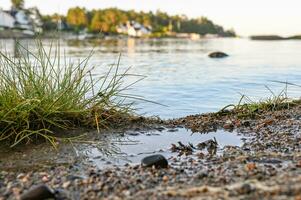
(267, 165)
(17, 34)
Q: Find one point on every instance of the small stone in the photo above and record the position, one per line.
(246, 189)
(298, 164)
(250, 166)
(61, 194)
(228, 125)
(16, 191)
(39, 192)
(73, 177)
(165, 178)
(172, 130)
(66, 184)
(202, 175)
(126, 193)
(21, 176)
(160, 128)
(45, 179)
(157, 160)
(25, 179)
(133, 133)
(268, 122)
(246, 123)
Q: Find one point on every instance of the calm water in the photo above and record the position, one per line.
(179, 73)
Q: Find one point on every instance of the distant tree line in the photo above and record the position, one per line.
(106, 21)
(19, 4)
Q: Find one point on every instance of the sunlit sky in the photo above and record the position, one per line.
(247, 17)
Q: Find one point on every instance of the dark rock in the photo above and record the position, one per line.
(157, 160)
(172, 130)
(246, 123)
(133, 133)
(39, 192)
(218, 54)
(160, 128)
(73, 177)
(246, 189)
(270, 161)
(202, 175)
(61, 194)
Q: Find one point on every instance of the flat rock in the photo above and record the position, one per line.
(156, 160)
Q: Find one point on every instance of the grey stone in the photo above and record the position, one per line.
(73, 177)
(156, 160)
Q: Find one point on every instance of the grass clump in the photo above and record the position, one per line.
(247, 108)
(40, 92)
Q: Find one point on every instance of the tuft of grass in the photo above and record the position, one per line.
(42, 91)
(248, 108)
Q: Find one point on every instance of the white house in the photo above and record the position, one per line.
(6, 20)
(28, 21)
(134, 29)
(22, 20)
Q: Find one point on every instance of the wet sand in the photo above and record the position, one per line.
(266, 166)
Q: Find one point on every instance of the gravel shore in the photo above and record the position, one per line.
(266, 166)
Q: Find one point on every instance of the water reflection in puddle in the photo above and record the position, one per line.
(131, 148)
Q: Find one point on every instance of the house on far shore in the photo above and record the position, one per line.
(134, 29)
(20, 22)
(6, 20)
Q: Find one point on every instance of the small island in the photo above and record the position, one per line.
(274, 37)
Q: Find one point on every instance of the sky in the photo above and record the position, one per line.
(246, 17)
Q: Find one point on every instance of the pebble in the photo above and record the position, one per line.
(250, 166)
(66, 184)
(165, 178)
(45, 179)
(228, 125)
(298, 164)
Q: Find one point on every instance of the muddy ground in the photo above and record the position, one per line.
(266, 166)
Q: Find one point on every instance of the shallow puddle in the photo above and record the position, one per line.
(132, 147)
(104, 150)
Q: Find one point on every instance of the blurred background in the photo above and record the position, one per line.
(168, 42)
